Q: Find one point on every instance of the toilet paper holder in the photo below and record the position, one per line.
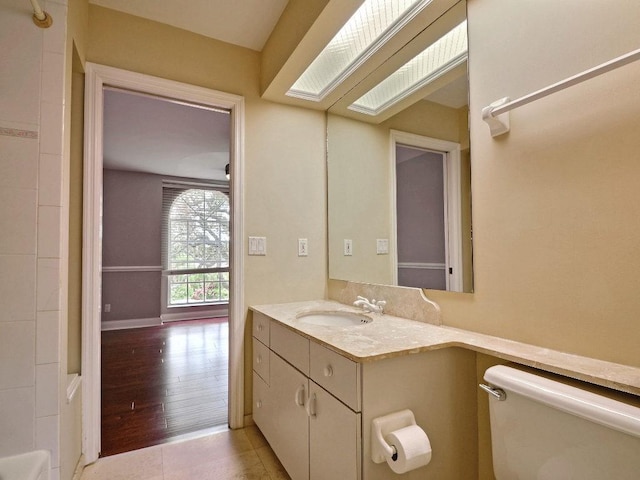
(382, 426)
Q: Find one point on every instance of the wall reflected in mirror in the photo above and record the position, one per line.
(399, 192)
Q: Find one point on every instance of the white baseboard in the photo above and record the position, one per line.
(176, 317)
(131, 323)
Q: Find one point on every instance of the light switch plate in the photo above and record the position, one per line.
(348, 246)
(303, 247)
(257, 245)
(382, 246)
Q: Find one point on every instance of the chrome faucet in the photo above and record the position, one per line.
(370, 306)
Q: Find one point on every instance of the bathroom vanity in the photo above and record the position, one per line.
(314, 402)
(303, 394)
(316, 388)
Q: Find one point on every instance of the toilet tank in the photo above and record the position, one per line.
(546, 429)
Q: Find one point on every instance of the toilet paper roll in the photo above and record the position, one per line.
(412, 446)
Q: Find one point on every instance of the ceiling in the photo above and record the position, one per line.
(220, 19)
(154, 135)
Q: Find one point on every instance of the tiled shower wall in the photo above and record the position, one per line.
(32, 243)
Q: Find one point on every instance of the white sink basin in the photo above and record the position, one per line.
(334, 319)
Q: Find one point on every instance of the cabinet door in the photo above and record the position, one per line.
(334, 437)
(288, 397)
(262, 406)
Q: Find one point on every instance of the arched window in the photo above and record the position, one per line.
(196, 246)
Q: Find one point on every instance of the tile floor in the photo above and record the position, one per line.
(230, 454)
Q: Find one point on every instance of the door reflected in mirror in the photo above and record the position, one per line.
(420, 218)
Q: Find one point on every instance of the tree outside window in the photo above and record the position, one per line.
(198, 248)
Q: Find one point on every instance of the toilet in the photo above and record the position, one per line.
(546, 429)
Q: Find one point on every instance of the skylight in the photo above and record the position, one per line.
(370, 27)
(440, 57)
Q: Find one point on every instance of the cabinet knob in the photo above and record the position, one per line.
(259, 359)
(260, 327)
(328, 371)
(259, 404)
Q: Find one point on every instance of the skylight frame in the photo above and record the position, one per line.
(372, 109)
(317, 95)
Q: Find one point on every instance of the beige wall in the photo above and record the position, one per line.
(359, 199)
(555, 202)
(71, 412)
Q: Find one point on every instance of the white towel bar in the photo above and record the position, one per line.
(496, 114)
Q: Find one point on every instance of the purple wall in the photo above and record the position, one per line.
(132, 223)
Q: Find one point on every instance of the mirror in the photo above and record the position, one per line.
(399, 186)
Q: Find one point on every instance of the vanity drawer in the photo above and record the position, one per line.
(261, 359)
(292, 347)
(337, 374)
(261, 327)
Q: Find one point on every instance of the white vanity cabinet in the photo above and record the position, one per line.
(304, 405)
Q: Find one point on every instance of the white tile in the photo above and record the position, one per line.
(48, 232)
(52, 77)
(47, 389)
(18, 162)
(17, 422)
(47, 435)
(17, 354)
(47, 337)
(18, 217)
(20, 60)
(50, 180)
(17, 287)
(48, 285)
(51, 128)
(56, 35)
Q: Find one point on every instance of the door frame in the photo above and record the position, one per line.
(452, 204)
(96, 78)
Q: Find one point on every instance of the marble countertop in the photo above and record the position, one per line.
(389, 336)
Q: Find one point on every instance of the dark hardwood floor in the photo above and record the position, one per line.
(162, 382)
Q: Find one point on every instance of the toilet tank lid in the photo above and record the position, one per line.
(582, 403)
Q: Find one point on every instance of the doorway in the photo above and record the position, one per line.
(420, 218)
(165, 269)
(427, 233)
(97, 79)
